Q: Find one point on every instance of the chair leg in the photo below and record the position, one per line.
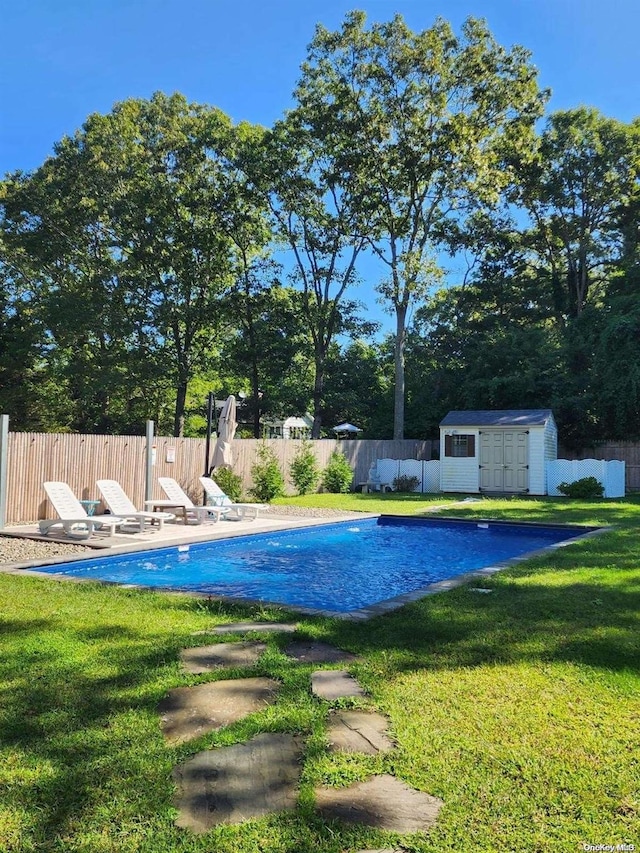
(68, 529)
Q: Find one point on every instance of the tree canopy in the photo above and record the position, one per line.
(163, 251)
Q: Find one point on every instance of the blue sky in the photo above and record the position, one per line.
(64, 59)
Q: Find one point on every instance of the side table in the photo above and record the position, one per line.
(90, 506)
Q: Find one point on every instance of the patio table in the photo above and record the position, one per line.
(160, 505)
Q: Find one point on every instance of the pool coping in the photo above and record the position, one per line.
(380, 608)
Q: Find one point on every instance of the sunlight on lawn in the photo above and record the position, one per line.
(517, 708)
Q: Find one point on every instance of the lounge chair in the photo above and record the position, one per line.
(178, 498)
(238, 511)
(73, 516)
(119, 503)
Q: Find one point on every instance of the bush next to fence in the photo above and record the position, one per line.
(403, 483)
(586, 488)
(337, 476)
(268, 482)
(304, 470)
(610, 474)
(230, 483)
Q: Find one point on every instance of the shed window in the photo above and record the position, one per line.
(461, 446)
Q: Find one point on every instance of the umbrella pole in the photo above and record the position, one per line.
(211, 401)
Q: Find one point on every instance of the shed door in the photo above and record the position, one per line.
(504, 456)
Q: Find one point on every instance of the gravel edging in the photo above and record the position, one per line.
(309, 511)
(16, 550)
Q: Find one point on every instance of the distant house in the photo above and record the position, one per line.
(294, 427)
(497, 451)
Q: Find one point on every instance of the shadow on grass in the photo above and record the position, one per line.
(580, 605)
(79, 726)
(79, 702)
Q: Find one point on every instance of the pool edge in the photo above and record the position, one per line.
(361, 614)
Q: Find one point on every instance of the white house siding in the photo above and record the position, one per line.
(460, 475)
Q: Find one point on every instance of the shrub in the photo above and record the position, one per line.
(304, 469)
(268, 482)
(337, 475)
(404, 483)
(230, 483)
(587, 487)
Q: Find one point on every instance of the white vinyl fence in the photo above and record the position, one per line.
(428, 473)
(610, 474)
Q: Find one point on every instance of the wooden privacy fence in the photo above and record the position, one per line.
(80, 460)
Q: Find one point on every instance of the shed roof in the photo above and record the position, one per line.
(502, 418)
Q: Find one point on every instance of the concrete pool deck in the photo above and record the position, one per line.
(178, 534)
(175, 535)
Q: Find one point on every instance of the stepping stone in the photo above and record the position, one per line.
(189, 712)
(312, 651)
(334, 684)
(206, 658)
(358, 731)
(236, 783)
(383, 801)
(245, 627)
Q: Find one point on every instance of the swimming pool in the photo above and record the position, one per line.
(339, 567)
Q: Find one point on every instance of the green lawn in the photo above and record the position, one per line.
(520, 709)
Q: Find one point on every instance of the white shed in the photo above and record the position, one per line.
(497, 452)
(292, 427)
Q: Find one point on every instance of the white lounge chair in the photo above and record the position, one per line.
(238, 511)
(120, 504)
(179, 499)
(73, 516)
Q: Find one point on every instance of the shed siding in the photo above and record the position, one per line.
(459, 474)
(462, 475)
(537, 479)
(550, 441)
(550, 448)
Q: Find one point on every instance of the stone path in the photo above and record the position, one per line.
(358, 731)
(249, 780)
(190, 712)
(208, 658)
(313, 651)
(239, 782)
(247, 627)
(383, 801)
(332, 684)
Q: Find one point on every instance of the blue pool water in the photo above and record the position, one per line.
(340, 567)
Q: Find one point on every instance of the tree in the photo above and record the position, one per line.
(129, 225)
(359, 388)
(268, 347)
(57, 245)
(583, 174)
(310, 198)
(420, 123)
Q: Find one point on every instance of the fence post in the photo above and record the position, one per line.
(4, 466)
(148, 482)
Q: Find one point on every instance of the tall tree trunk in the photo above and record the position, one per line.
(318, 387)
(255, 392)
(181, 401)
(398, 357)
